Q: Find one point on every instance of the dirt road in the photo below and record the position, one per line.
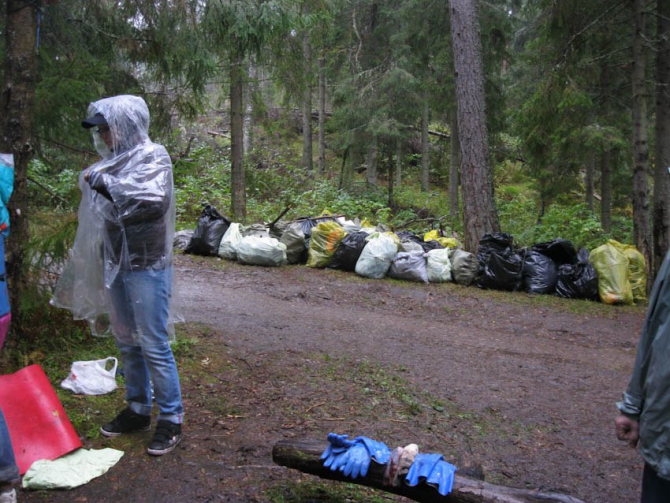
(523, 387)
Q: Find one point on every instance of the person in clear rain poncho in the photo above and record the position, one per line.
(121, 264)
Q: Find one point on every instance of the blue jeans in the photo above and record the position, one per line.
(9, 471)
(139, 317)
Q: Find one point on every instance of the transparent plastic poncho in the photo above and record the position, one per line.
(125, 225)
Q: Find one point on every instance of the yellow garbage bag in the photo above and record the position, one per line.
(611, 264)
(323, 243)
(446, 242)
(637, 270)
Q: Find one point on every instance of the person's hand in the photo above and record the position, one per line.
(627, 429)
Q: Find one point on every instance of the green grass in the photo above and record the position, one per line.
(324, 492)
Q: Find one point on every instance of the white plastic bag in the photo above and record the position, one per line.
(72, 470)
(92, 377)
(438, 265)
(229, 242)
(375, 259)
(254, 250)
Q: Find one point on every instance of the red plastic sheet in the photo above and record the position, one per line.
(37, 422)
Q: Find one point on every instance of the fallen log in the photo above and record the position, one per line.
(305, 456)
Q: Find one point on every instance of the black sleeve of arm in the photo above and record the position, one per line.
(97, 183)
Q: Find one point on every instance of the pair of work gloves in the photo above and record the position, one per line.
(353, 457)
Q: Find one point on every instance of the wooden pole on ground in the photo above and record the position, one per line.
(305, 456)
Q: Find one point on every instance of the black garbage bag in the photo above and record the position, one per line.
(496, 242)
(539, 273)
(431, 245)
(425, 245)
(502, 271)
(348, 251)
(308, 223)
(408, 236)
(579, 280)
(561, 251)
(208, 233)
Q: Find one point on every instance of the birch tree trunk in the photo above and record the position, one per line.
(589, 180)
(371, 161)
(307, 153)
(238, 187)
(606, 191)
(398, 162)
(425, 146)
(479, 213)
(322, 117)
(248, 130)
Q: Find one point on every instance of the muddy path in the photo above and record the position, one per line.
(523, 389)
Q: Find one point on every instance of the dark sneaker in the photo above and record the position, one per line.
(166, 438)
(126, 422)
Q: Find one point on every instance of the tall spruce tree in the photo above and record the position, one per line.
(479, 213)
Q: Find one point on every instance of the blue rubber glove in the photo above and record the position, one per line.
(334, 453)
(442, 477)
(421, 467)
(352, 457)
(433, 470)
(360, 455)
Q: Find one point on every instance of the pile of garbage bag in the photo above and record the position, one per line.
(613, 273)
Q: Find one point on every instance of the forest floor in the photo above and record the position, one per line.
(523, 387)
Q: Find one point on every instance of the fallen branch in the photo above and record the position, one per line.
(305, 457)
(284, 212)
(216, 133)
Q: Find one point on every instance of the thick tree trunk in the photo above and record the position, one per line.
(661, 211)
(305, 457)
(18, 102)
(238, 188)
(322, 117)
(454, 163)
(425, 150)
(479, 212)
(641, 221)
